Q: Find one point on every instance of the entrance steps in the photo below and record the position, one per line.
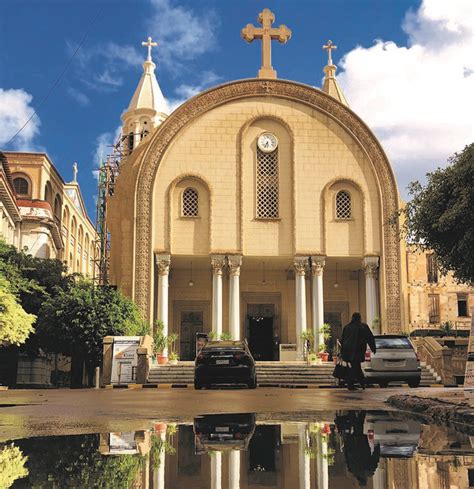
(270, 374)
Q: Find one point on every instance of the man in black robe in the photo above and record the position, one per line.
(355, 338)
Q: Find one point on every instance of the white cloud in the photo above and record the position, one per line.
(185, 91)
(182, 34)
(80, 97)
(15, 109)
(418, 98)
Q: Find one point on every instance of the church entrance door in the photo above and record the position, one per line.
(260, 331)
(191, 323)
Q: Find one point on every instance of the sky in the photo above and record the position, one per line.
(406, 67)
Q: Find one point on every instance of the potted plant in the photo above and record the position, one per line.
(325, 333)
(308, 337)
(173, 358)
(312, 358)
(213, 336)
(225, 336)
(160, 343)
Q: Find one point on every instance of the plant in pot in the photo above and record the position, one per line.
(173, 358)
(325, 334)
(160, 343)
(213, 336)
(308, 337)
(312, 358)
(172, 354)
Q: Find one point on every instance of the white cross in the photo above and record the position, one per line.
(149, 44)
(329, 47)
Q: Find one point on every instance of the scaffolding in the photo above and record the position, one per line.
(108, 173)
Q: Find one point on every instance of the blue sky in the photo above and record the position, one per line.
(405, 66)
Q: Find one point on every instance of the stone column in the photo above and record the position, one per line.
(371, 265)
(159, 471)
(216, 470)
(303, 459)
(234, 263)
(234, 469)
(163, 265)
(300, 302)
(317, 267)
(217, 265)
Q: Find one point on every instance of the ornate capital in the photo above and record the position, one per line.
(217, 264)
(317, 264)
(234, 262)
(300, 264)
(370, 265)
(163, 264)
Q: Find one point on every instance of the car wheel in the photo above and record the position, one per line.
(414, 383)
(253, 383)
(383, 384)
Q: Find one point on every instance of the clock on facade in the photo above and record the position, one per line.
(267, 142)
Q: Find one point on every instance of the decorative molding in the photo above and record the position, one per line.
(317, 264)
(301, 264)
(292, 91)
(163, 264)
(217, 264)
(234, 263)
(370, 264)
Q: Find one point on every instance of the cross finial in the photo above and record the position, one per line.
(149, 44)
(329, 47)
(74, 172)
(267, 34)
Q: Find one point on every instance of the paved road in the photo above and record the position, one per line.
(25, 413)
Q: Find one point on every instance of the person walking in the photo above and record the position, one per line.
(355, 337)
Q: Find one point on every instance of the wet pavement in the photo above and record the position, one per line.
(378, 449)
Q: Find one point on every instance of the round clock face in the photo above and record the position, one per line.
(267, 142)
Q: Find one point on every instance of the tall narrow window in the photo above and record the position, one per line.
(433, 304)
(462, 305)
(432, 268)
(343, 205)
(190, 203)
(267, 185)
(21, 186)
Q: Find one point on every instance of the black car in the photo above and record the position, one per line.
(225, 362)
(223, 432)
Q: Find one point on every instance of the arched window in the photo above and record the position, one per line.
(190, 203)
(267, 185)
(22, 187)
(343, 205)
(48, 193)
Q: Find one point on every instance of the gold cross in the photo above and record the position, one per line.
(149, 44)
(329, 47)
(267, 34)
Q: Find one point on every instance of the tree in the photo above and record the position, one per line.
(15, 324)
(75, 320)
(12, 465)
(440, 215)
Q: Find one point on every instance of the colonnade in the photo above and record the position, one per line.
(302, 266)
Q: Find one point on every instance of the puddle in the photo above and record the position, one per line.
(375, 449)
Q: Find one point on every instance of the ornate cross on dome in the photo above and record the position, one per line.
(149, 44)
(329, 47)
(267, 34)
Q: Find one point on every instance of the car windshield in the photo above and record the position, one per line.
(396, 343)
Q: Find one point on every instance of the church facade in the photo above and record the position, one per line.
(258, 208)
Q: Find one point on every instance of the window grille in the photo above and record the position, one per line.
(433, 308)
(267, 185)
(432, 268)
(21, 186)
(190, 203)
(462, 306)
(343, 205)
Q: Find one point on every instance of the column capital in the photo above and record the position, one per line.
(234, 263)
(317, 264)
(163, 263)
(217, 264)
(370, 265)
(300, 263)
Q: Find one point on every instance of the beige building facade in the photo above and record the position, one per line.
(53, 221)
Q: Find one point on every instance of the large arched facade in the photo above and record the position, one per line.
(208, 145)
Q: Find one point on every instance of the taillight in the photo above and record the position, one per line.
(238, 356)
(368, 356)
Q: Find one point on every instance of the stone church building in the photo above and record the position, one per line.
(258, 208)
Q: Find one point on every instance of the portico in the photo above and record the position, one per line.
(268, 300)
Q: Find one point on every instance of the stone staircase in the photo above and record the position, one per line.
(270, 374)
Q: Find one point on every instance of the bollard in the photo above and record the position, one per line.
(97, 377)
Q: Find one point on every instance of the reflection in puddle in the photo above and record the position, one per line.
(372, 449)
